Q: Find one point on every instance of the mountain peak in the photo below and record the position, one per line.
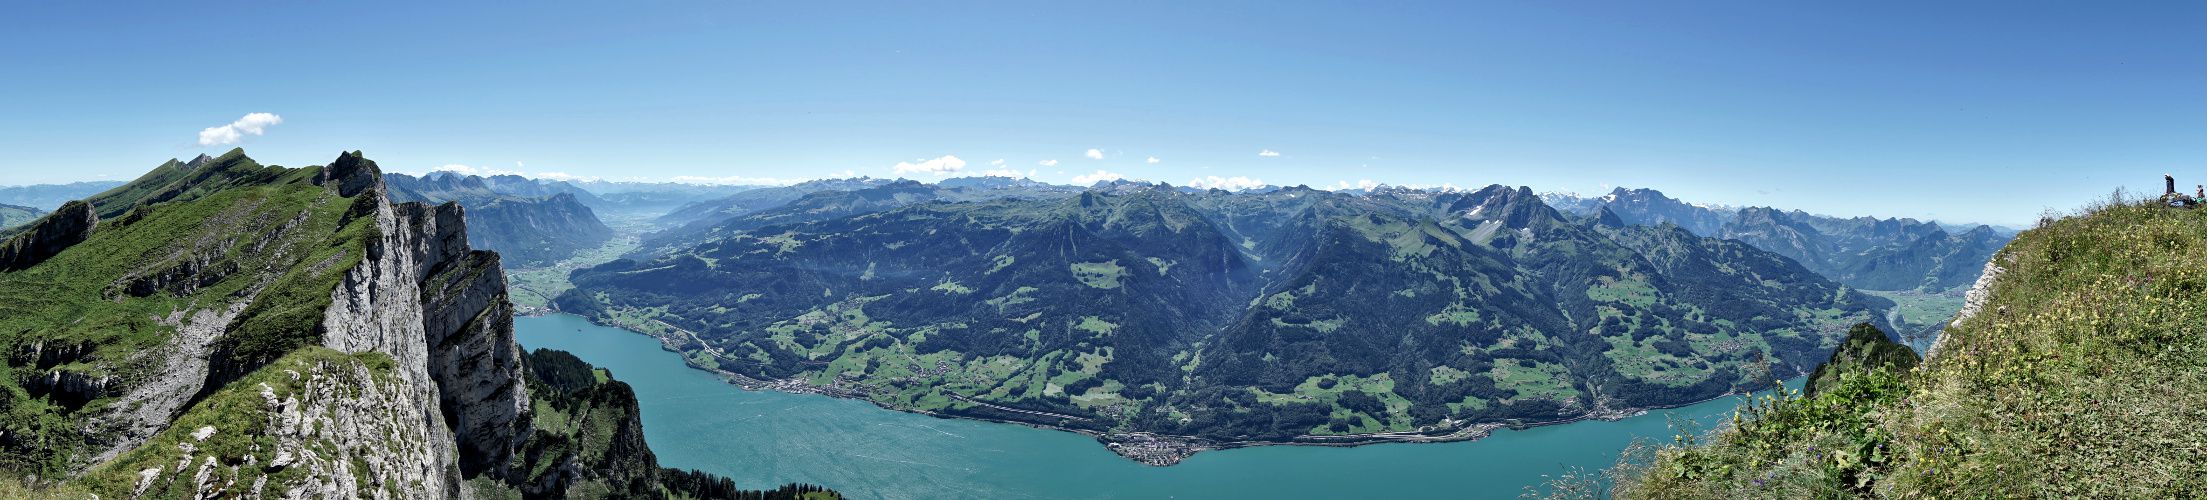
(1605, 218)
(351, 173)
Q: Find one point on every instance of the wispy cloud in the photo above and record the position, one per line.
(1268, 153)
(468, 170)
(251, 124)
(1153, 160)
(1095, 154)
(1099, 176)
(1360, 184)
(1047, 163)
(1235, 183)
(563, 176)
(945, 165)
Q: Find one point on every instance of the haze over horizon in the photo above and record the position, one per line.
(1956, 112)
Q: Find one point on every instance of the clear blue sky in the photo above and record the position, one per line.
(1962, 112)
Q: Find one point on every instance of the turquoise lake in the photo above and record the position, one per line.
(763, 439)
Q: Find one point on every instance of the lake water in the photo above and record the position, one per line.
(763, 439)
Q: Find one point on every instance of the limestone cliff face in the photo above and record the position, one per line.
(377, 307)
(439, 310)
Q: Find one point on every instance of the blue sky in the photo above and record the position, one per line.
(1986, 112)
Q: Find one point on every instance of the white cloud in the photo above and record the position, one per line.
(251, 124)
(1360, 184)
(1099, 176)
(1235, 183)
(1005, 172)
(1268, 153)
(999, 162)
(1153, 160)
(940, 166)
(1095, 154)
(1047, 163)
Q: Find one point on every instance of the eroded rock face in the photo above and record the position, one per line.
(69, 388)
(337, 429)
(68, 225)
(148, 407)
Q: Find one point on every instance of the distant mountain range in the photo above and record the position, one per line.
(530, 222)
(823, 200)
(652, 199)
(12, 215)
(1864, 252)
(1277, 315)
(48, 196)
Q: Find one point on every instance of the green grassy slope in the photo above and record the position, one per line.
(2084, 375)
(105, 300)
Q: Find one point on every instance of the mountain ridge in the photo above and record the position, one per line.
(1865, 252)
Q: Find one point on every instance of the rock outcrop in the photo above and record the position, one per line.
(1973, 302)
(68, 225)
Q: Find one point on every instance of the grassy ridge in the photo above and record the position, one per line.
(2085, 375)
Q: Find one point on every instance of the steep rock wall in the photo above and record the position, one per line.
(440, 311)
(475, 360)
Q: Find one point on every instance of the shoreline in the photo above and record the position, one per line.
(1157, 450)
